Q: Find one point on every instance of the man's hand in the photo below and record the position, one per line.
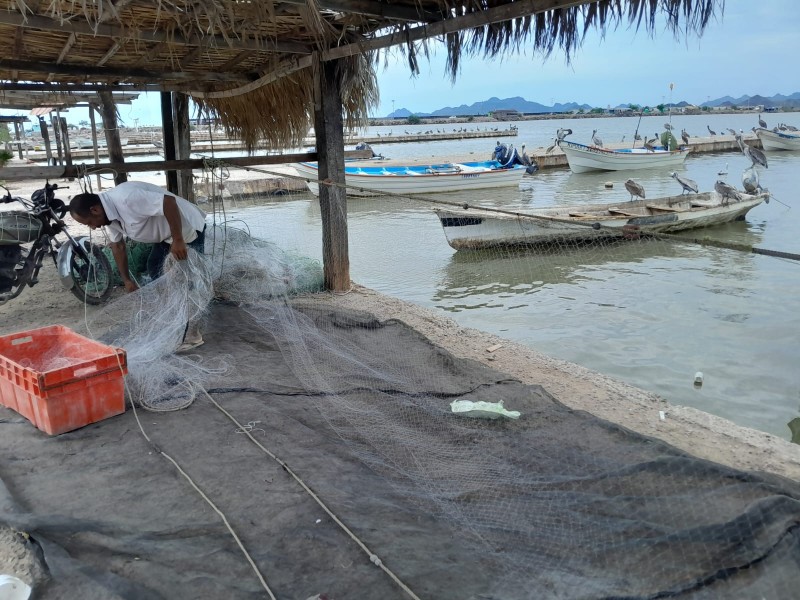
(178, 249)
(130, 285)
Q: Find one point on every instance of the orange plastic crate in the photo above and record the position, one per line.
(60, 380)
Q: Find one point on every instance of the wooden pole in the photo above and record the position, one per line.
(16, 135)
(57, 137)
(183, 144)
(168, 131)
(92, 108)
(329, 130)
(46, 137)
(62, 121)
(111, 128)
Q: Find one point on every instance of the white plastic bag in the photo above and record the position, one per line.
(482, 410)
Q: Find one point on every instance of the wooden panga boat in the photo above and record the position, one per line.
(778, 140)
(582, 158)
(475, 228)
(419, 179)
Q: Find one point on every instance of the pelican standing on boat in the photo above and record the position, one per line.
(761, 122)
(755, 155)
(561, 133)
(688, 185)
(634, 189)
(711, 131)
(726, 191)
(596, 140)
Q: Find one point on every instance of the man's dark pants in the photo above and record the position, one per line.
(155, 262)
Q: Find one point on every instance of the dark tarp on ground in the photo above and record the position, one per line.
(115, 520)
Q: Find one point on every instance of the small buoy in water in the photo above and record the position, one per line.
(609, 184)
(698, 379)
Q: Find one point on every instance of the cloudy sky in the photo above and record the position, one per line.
(751, 50)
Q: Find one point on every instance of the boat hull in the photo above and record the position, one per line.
(371, 182)
(480, 229)
(583, 159)
(772, 140)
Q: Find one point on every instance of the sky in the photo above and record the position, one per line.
(750, 50)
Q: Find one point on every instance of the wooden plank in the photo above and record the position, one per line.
(56, 172)
(664, 208)
(93, 122)
(62, 122)
(183, 144)
(46, 137)
(626, 213)
(329, 128)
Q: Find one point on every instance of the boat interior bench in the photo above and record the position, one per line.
(580, 215)
(702, 204)
(664, 208)
(626, 213)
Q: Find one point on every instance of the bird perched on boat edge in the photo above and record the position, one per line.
(761, 122)
(711, 131)
(688, 185)
(755, 155)
(596, 140)
(634, 189)
(561, 133)
(726, 191)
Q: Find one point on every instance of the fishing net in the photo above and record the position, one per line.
(546, 503)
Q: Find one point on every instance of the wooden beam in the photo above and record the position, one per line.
(373, 9)
(118, 32)
(17, 49)
(520, 8)
(329, 130)
(37, 172)
(498, 14)
(229, 64)
(168, 138)
(183, 144)
(76, 87)
(111, 52)
(120, 73)
(111, 128)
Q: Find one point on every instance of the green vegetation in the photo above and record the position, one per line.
(661, 108)
(5, 134)
(596, 111)
(414, 120)
(5, 156)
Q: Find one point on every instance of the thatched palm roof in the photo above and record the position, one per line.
(250, 62)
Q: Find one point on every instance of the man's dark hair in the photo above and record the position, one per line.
(81, 204)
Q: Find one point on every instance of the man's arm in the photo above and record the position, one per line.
(120, 253)
(173, 215)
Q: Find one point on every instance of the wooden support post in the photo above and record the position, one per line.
(329, 130)
(92, 108)
(16, 135)
(57, 137)
(62, 122)
(46, 137)
(111, 128)
(168, 131)
(183, 143)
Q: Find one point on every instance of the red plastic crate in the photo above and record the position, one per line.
(89, 388)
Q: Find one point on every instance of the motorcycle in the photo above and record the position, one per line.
(82, 267)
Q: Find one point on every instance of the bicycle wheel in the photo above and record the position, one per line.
(93, 278)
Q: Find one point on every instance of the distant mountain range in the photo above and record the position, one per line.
(526, 106)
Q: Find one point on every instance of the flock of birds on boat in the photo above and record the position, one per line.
(750, 179)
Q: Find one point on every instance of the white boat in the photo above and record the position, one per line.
(476, 228)
(583, 158)
(419, 179)
(778, 140)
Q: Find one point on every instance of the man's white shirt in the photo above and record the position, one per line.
(136, 210)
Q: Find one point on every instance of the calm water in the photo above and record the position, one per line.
(651, 314)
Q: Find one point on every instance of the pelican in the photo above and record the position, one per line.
(755, 155)
(684, 136)
(688, 185)
(732, 131)
(635, 189)
(750, 181)
(596, 140)
(726, 191)
(561, 133)
(711, 131)
(648, 144)
(724, 171)
(667, 126)
(637, 137)
(761, 122)
(526, 160)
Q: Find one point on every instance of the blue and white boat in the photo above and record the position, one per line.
(583, 158)
(420, 179)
